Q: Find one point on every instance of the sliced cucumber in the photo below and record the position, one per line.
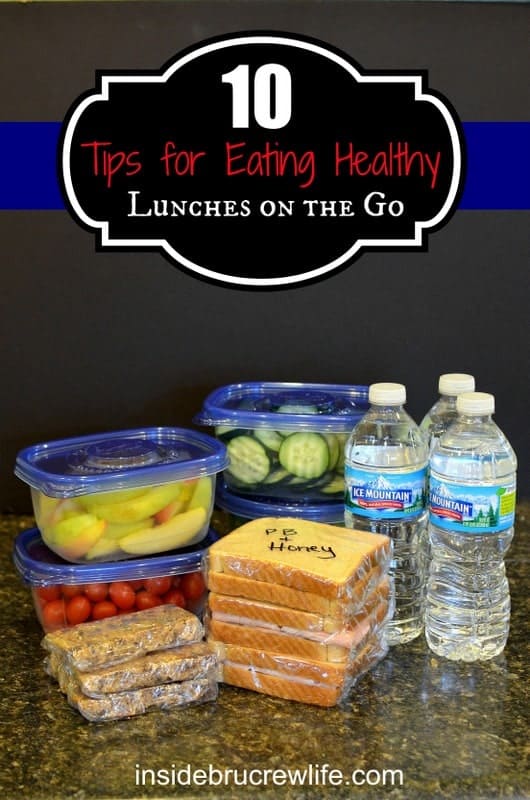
(249, 462)
(342, 438)
(292, 408)
(226, 432)
(276, 476)
(334, 449)
(305, 455)
(303, 482)
(271, 439)
(335, 485)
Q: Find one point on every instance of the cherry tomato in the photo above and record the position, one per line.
(70, 591)
(136, 585)
(157, 585)
(147, 600)
(122, 594)
(48, 593)
(175, 597)
(53, 614)
(175, 581)
(96, 592)
(78, 609)
(103, 610)
(193, 585)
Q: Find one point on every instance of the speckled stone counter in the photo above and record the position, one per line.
(415, 727)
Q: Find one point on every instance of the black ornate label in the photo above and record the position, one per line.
(262, 160)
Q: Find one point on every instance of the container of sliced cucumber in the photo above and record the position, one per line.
(285, 441)
(239, 509)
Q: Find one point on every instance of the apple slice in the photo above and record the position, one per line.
(181, 530)
(73, 536)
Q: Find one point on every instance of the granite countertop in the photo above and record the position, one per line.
(417, 725)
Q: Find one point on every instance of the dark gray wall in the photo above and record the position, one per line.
(94, 342)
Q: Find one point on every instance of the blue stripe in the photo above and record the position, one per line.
(498, 166)
(28, 166)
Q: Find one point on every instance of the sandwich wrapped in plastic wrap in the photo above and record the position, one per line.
(300, 554)
(302, 680)
(123, 666)
(182, 663)
(298, 633)
(342, 608)
(116, 639)
(298, 609)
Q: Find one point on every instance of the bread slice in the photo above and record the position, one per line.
(312, 682)
(301, 554)
(339, 646)
(338, 608)
(116, 639)
(242, 611)
(182, 663)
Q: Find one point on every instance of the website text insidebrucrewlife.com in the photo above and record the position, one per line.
(322, 775)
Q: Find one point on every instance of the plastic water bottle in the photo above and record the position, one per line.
(443, 412)
(385, 475)
(437, 420)
(471, 516)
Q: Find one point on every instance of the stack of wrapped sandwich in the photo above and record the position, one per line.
(297, 609)
(122, 666)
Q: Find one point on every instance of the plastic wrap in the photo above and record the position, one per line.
(339, 609)
(120, 705)
(341, 645)
(182, 663)
(242, 611)
(303, 555)
(117, 639)
(305, 681)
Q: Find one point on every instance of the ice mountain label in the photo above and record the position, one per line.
(473, 509)
(386, 495)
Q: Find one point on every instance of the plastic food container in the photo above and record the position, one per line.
(285, 441)
(66, 594)
(237, 510)
(124, 494)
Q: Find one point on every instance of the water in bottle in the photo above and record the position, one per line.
(385, 474)
(443, 412)
(437, 420)
(471, 517)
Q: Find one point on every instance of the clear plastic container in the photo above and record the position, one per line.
(471, 526)
(238, 510)
(123, 494)
(443, 412)
(66, 594)
(285, 441)
(386, 475)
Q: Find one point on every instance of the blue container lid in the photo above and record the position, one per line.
(290, 406)
(119, 460)
(39, 566)
(332, 513)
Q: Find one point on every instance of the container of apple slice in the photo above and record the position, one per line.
(123, 494)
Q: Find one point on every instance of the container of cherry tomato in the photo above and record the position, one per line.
(66, 594)
(123, 494)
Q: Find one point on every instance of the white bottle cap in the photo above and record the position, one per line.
(454, 383)
(387, 394)
(475, 403)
